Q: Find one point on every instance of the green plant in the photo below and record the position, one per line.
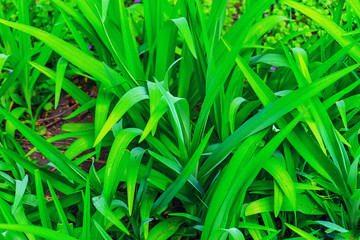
(211, 134)
(21, 85)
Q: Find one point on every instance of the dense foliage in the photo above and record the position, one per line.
(213, 119)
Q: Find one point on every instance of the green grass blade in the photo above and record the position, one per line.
(129, 99)
(171, 191)
(270, 113)
(263, 26)
(117, 162)
(39, 231)
(100, 204)
(354, 6)
(102, 231)
(222, 204)
(158, 112)
(19, 193)
(175, 166)
(129, 43)
(69, 52)
(332, 226)
(183, 27)
(132, 174)
(248, 225)
(302, 233)
(102, 107)
(234, 107)
(68, 86)
(68, 229)
(90, 104)
(60, 72)
(145, 209)
(165, 229)
(175, 114)
(79, 146)
(305, 205)
(49, 151)
(43, 210)
(276, 168)
(59, 182)
(104, 8)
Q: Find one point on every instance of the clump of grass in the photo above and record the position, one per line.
(211, 134)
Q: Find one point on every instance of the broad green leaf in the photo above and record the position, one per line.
(39, 231)
(249, 225)
(117, 161)
(175, 166)
(19, 193)
(278, 199)
(69, 52)
(171, 191)
(129, 43)
(77, 127)
(278, 60)
(60, 211)
(145, 209)
(100, 204)
(60, 72)
(155, 117)
(86, 106)
(302, 233)
(264, 25)
(79, 146)
(235, 234)
(183, 27)
(61, 137)
(304, 205)
(165, 229)
(132, 173)
(234, 106)
(276, 167)
(129, 99)
(332, 226)
(352, 177)
(175, 114)
(102, 231)
(104, 7)
(44, 212)
(186, 215)
(102, 107)
(342, 109)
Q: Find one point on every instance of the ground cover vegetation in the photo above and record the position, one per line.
(211, 119)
